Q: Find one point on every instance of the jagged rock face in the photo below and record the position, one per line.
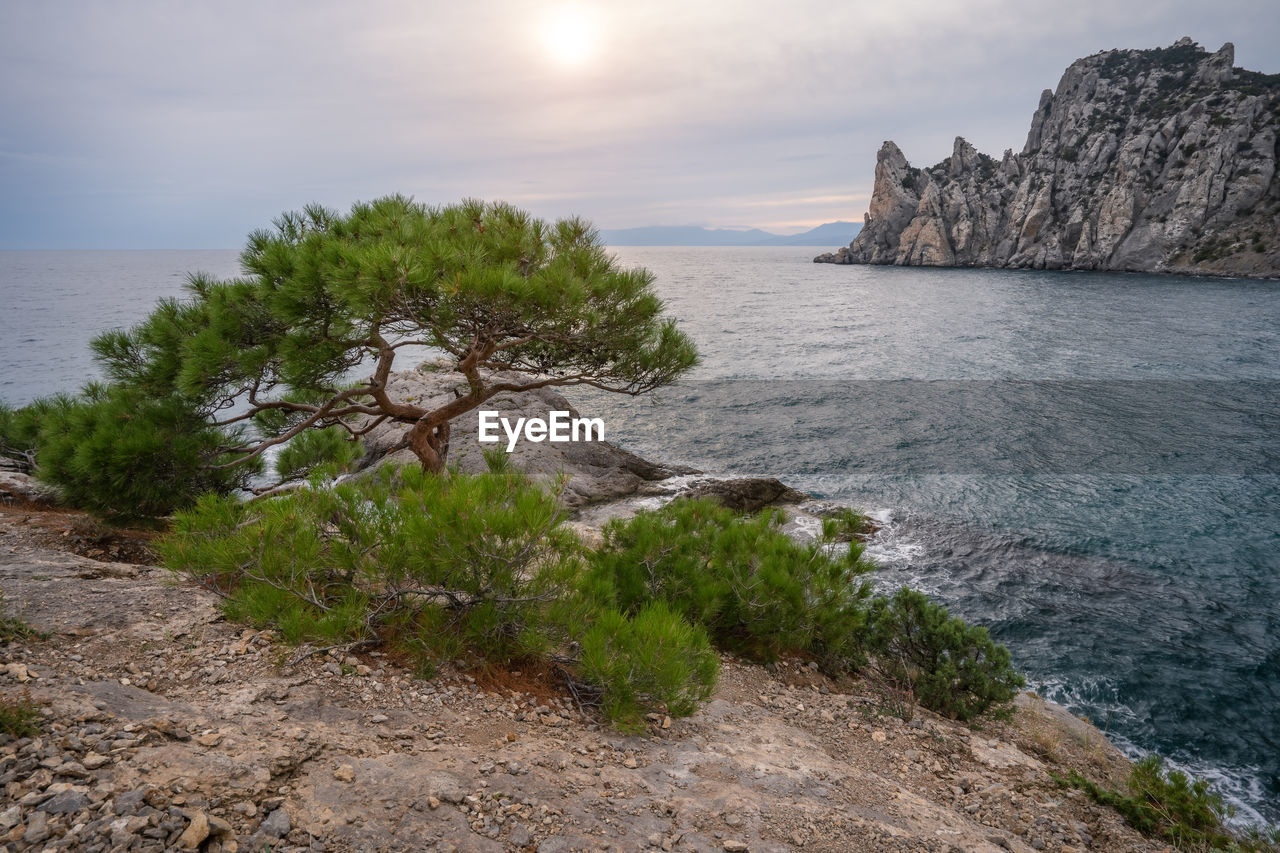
(1145, 160)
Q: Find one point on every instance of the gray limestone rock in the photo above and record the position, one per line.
(595, 470)
(1159, 160)
(277, 824)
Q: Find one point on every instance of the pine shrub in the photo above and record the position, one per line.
(759, 593)
(652, 659)
(125, 457)
(436, 563)
(1173, 807)
(756, 591)
(952, 667)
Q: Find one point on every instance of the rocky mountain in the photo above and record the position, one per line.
(1157, 160)
(696, 235)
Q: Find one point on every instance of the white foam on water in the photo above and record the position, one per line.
(1238, 786)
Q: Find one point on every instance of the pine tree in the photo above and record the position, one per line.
(259, 360)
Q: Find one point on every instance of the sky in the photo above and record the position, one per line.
(188, 125)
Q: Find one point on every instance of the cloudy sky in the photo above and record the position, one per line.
(186, 125)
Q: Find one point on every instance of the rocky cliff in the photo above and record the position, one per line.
(162, 727)
(1145, 160)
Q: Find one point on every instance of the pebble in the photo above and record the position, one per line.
(277, 824)
(196, 832)
(92, 761)
(345, 773)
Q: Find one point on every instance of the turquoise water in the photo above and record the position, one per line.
(1089, 464)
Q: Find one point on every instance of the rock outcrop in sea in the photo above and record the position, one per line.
(1157, 160)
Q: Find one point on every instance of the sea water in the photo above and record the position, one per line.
(1086, 463)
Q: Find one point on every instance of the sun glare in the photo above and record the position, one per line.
(570, 35)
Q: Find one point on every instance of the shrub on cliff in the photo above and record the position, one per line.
(760, 594)
(951, 667)
(473, 561)
(653, 657)
(124, 456)
(1176, 808)
(755, 590)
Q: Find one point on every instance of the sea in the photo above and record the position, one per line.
(1088, 464)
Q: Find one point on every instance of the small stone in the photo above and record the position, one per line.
(345, 773)
(629, 763)
(277, 824)
(210, 739)
(66, 802)
(18, 671)
(520, 836)
(37, 828)
(196, 832)
(733, 819)
(879, 736)
(666, 722)
(433, 802)
(93, 761)
(129, 803)
(732, 846)
(10, 817)
(378, 718)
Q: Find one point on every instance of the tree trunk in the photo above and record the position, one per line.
(430, 444)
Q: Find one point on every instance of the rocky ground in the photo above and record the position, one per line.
(165, 727)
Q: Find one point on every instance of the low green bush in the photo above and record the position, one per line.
(121, 456)
(20, 428)
(1173, 807)
(950, 666)
(654, 658)
(480, 569)
(759, 593)
(756, 591)
(438, 563)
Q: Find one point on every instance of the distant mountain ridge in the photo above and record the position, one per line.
(696, 235)
(1159, 160)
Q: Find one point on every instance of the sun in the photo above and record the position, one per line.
(570, 35)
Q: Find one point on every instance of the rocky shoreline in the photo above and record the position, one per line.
(164, 727)
(1159, 160)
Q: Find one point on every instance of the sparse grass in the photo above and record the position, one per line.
(1175, 808)
(13, 629)
(19, 717)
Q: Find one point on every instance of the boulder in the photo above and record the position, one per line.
(746, 494)
(596, 470)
